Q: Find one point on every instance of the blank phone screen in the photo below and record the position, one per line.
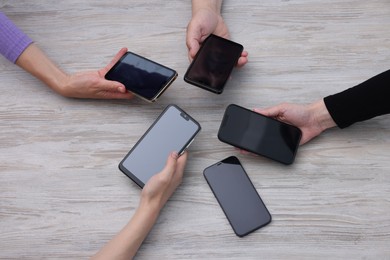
(213, 64)
(140, 75)
(262, 135)
(237, 196)
(172, 131)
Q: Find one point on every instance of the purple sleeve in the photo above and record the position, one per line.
(12, 40)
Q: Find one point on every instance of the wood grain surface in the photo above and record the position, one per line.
(63, 197)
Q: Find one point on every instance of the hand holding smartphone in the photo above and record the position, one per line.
(213, 63)
(174, 130)
(256, 133)
(237, 196)
(145, 78)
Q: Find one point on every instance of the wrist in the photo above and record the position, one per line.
(211, 5)
(149, 208)
(35, 61)
(147, 214)
(61, 84)
(321, 116)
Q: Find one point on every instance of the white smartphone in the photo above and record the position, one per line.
(173, 130)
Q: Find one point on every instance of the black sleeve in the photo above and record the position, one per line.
(364, 101)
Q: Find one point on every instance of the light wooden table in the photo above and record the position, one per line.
(63, 197)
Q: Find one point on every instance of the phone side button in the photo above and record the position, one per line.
(187, 146)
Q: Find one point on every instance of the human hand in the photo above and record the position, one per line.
(312, 119)
(206, 21)
(92, 84)
(161, 186)
(154, 195)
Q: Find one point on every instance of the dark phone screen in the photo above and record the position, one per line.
(140, 75)
(262, 135)
(237, 196)
(213, 63)
(172, 131)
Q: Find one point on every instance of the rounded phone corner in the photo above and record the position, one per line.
(269, 220)
(219, 137)
(186, 78)
(290, 161)
(232, 105)
(131, 176)
(121, 168)
(218, 91)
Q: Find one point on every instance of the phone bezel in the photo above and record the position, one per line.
(201, 49)
(170, 80)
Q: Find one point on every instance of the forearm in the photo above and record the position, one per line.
(34, 61)
(214, 5)
(126, 243)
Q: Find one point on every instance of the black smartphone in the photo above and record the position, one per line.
(145, 78)
(213, 63)
(173, 130)
(256, 133)
(237, 196)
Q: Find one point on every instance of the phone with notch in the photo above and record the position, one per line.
(173, 130)
(143, 77)
(237, 196)
(256, 133)
(213, 63)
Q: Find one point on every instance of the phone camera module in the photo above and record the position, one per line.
(185, 116)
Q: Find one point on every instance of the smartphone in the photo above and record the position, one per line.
(213, 63)
(145, 78)
(256, 133)
(237, 196)
(173, 130)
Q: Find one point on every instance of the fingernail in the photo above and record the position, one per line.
(175, 155)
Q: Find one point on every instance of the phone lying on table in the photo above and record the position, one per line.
(145, 78)
(173, 130)
(237, 196)
(213, 63)
(259, 134)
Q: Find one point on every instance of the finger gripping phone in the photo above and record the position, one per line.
(237, 196)
(145, 78)
(213, 63)
(256, 133)
(173, 130)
